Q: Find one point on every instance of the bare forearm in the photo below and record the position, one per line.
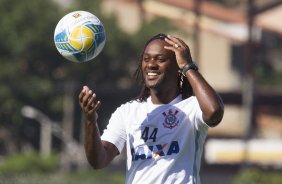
(94, 149)
(210, 102)
(99, 153)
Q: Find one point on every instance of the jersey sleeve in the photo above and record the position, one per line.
(115, 131)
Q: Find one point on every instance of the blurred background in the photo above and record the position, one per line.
(237, 44)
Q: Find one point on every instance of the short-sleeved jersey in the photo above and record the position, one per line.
(164, 143)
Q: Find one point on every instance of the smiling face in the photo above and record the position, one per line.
(159, 67)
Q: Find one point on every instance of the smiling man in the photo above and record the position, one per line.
(164, 129)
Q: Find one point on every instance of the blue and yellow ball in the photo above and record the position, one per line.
(80, 36)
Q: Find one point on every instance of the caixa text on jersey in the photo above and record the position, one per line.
(154, 151)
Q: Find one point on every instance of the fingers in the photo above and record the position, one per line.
(181, 50)
(92, 103)
(178, 41)
(175, 43)
(88, 100)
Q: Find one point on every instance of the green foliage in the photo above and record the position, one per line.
(26, 26)
(255, 176)
(88, 5)
(267, 76)
(26, 51)
(104, 176)
(28, 163)
(97, 176)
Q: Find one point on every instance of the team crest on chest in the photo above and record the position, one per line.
(171, 120)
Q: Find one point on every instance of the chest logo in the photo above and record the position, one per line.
(171, 120)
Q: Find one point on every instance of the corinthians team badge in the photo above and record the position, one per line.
(170, 119)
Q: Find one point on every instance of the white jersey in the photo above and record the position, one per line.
(164, 142)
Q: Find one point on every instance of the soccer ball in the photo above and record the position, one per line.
(79, 36)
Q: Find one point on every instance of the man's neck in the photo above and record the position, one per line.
(163, 97)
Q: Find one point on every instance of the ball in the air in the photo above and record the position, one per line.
(79, 36)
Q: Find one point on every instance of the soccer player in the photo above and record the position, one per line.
(164, 129)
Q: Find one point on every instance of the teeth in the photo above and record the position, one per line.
(152, 74)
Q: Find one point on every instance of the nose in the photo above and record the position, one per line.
(152, 64)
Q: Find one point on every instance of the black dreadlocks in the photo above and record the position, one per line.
(183, 84)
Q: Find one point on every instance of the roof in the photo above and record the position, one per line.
(216, 18)
(271, 20)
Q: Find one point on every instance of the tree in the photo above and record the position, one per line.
(26, 51)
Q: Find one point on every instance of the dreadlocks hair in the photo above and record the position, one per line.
(184, 86)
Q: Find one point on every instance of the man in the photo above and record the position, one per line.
(164, 129)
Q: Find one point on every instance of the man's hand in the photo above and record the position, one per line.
(89, 104)
(181, 50)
